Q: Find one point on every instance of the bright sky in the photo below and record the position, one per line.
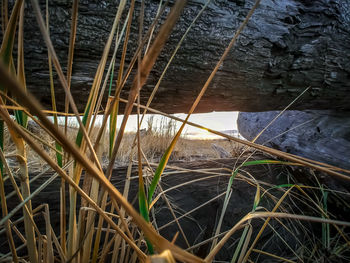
(219, 121)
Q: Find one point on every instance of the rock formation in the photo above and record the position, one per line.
(287, 46)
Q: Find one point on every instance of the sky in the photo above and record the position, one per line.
(219, 121)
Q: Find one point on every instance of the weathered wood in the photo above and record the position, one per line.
(287, 46)
(319, 135)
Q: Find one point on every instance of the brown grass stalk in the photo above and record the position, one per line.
(146, 66)
(30, 102)
(59, 170)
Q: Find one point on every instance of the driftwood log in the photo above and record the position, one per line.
(287, 46)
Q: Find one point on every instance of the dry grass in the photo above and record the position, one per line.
(154, 142)
(241, 209)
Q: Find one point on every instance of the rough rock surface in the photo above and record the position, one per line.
(319, 135)
(287, 46)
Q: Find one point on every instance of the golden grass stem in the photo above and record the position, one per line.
(73, 31)
(59, 170)
(18, 107)
(25, 191)
(27, 113)
(122, 60)
(7, 223)
(154, 91)
(59, 248)
(99, 102)
(147, 64)
(20, 197)
(91, 215)
(122, 211)
(89, 111)
(20, 55)
(28, 101)
(99, 229)
(105, 250)
(128, 71)
(61, 76)
(152, 29)
(138, 50)
(49, 255)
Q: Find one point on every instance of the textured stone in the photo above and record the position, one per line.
(287, 46)
(319, 135)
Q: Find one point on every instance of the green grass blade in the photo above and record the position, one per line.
(245, 238)
(80, 134)
(258, 162)
(143, 208)
(111, 79)
(224, 207)
(226, 201)
(161, 166)
(113, 126)
(240, 244)
(19, 117)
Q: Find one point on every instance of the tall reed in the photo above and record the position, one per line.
(105, 225)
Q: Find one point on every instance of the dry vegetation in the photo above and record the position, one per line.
(154, 143)
(259, 205)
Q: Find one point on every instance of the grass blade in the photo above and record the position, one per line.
(72, 37)
(4, 15)
(34, 107)
(6, 50)
(7, 223)
(59, 156)
(147, 64)
(9, 36)
(168, 152)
